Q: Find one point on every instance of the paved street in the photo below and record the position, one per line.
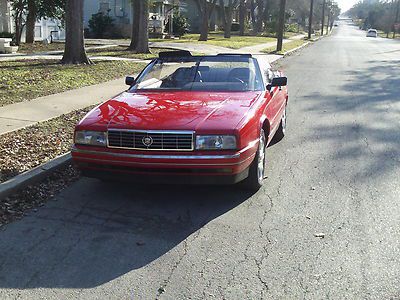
(336, 175)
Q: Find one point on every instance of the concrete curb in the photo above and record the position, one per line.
(34, 175)
(295, 49)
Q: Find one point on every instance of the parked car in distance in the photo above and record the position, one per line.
(187, 119)
(372, 33)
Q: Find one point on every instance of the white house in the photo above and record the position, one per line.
(5, 17)
(44, 28)
(48, 29)
(121, 12)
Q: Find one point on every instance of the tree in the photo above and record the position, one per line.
(140, 27)
(30, 22)
(227, 16)
(206, 9)
(396, 20)
(281, 26)
(18, 8)
(27, 12)
(329, 17)
(100, 25)
(310, 18)
(259, 16)
(323, 17)
(242, 16)
(266, 13)
(74, 52)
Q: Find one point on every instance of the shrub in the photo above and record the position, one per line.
(100, 25)
(291, 27)
(272, 26)
(6, 34)
(179, 24)
(235, 26)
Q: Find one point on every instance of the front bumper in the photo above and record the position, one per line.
(139, 166)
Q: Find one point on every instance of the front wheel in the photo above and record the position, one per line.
(280, 133)
(257, 168)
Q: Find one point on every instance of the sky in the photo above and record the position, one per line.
(346, 4)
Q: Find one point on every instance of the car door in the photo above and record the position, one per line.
(276, 98)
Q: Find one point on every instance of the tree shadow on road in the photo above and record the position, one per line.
(96, 232)
(370, 129)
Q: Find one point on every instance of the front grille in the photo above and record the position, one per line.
(150, 140)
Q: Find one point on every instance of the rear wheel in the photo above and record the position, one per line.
(280, 133)
(257, 168)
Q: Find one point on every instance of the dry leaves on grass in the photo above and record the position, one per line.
(27, 148)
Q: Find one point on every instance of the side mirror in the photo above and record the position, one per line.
(277, 81)
(129, 80)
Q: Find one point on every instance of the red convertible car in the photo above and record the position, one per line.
(187, 119)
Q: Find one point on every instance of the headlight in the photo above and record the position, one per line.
(215, 142)
(94, 138)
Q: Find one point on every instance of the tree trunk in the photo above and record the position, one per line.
(281, 26)
(135, 34)
(19, 26)
(323, 18)
(140, 27)
(327, 24)
(227, 18)
(266, 13)
(253, 15)
(30, 22)
(310, 19)
(74, 52)
(228, 25)
(397, 18)
(259, 18)
(204, 21)
(242, 16)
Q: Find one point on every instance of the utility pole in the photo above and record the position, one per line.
(281, 26)
(397, 18)
(323, 18)
(310, 19)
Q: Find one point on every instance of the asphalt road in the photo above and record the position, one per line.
(337, 173)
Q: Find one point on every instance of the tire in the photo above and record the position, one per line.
(257, 168)
(280, 133)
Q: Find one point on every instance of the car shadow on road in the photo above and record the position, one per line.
(94, 232)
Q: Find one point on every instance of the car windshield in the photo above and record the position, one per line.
(202, 73)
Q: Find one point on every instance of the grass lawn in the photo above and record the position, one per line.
(217, 39)
(286, 47)
(384, 35)
(120, 51)
(40, 47)
(29, 79)
(26, 148)
(287, 34)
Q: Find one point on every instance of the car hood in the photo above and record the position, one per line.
(173, 111)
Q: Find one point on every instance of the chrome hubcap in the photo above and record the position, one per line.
(261, 159)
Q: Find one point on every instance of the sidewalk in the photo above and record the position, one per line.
(257, 49)
(22, 114)
(59, 57)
